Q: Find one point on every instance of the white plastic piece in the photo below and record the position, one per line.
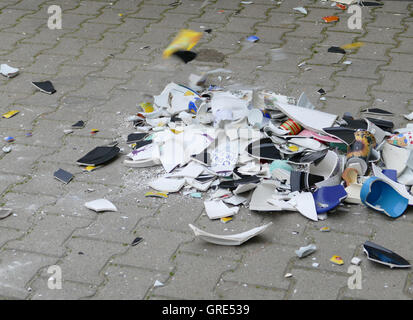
(395, 157)
(101, 205)
(300, 9)
(356, 261)
(304, 203)
(229, 240)
(353, 194)
(8, 71)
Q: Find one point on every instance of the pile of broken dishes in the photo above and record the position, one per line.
(269, 152)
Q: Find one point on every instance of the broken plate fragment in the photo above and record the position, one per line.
(5, 212)
(384, 256)
(300, 9)
(63, 176)
(101, 205)
(98, 156)
(337, 260)
(216, 209)
(305, 251)
(10, 114)
(327, 198)
(167, 184)
(46, 87)
(304, 203)
(229, 240)
(8, 71)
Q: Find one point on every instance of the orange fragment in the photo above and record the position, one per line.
(330, 19)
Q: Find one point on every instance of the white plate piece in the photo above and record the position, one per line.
(261, 195)
(8, 71)
(304, 203)
(310, 119)
(167, 184)
(395, 157)
(216, 209)
(353, 193)
(101, 205)
(327, 166)
(229, 240)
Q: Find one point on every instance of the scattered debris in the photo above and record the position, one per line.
(100, 205)
(8, 71)
(384, 256)
(63, 176)
(46, 87)
(136, 241)
(337, 260)
(10, 114)
(305, 251)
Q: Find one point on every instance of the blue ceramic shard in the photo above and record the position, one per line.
(327, 198)
(391, 174)
(384, 256)
(381, 196)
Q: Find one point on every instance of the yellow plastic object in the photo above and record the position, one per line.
(189, 93)
(90, 168)
(353, 45)
(293, 148)
(337, 260)
(93, 131)
(10, 114)
(185, 40)
(325, 229)
(156, 194)
(147, 107)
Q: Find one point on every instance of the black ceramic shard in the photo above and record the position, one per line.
(312, 179)
(336, 50)
(370, 4)
(98, 156)
(63, 176)
(321, 91)
(378, 111)
(382, 124)
(208, 30)
(297, 182)
(141, 144)
(344, 134)
(313, 157)
(185, 56)
(203, 157)
(384, 256)
(264, 149)
(356, 124)
(45, 86)
(136, 241)
(78, 125)
(233, 184)
(135, 137)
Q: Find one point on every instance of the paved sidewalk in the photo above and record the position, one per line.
(101, 70)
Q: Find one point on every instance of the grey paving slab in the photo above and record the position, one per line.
(105, 60)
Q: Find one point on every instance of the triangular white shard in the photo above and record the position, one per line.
(199, 185)
(235, 200)
(217, 209)
(310, 119)
(345, 1)
(304, 102)
(301, 9)
(229, 240)
(261, 195)
(158, 284)
(304, 203)
(100, 205)
(244, 188)
(167, 184)
(8, 71)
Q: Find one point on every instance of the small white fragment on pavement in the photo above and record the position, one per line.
(322, 216)
(6, 149)
(158, 284)
(347, 62)
(101, 205)
(305, 251)
(315, 265)
(288, 275)
(356, 261)
(301, 9)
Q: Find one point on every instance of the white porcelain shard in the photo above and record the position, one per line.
(236, 200)
(216, 209)
(406, 177)
(395, 157)
(261, 195)
(229, 240)
(305, 251)
(308, 143)
(8, 71)
(310, 119)
(4, 213)
(101, 205)
(304, 102)
(304, 203)
(300, 9)
(192, 170)
(167, 184)
(199, 185)
(245, 187)
(327, 166)
(353, 193)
